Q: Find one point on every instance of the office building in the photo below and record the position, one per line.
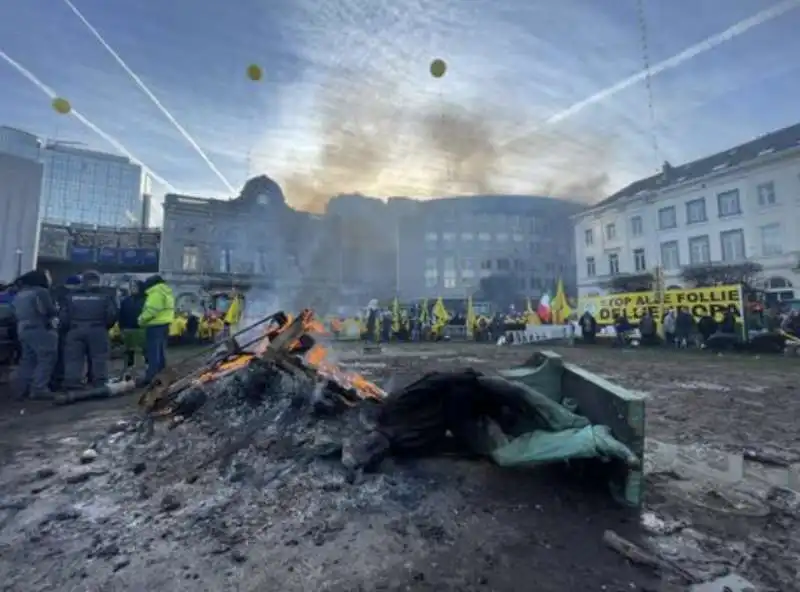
(20, 188)
(88, 187)
(447, 246)
(739, 205)
(254, 241)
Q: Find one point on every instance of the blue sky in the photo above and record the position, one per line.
(347, 104)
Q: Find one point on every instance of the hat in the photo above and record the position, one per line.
(73, 280)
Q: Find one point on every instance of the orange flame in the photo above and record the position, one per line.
(316, 358)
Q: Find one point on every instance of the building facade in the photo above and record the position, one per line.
(65, 250)
(88, 187)
(447, 246)
(254, 242)
(20, 187)
(739, 205)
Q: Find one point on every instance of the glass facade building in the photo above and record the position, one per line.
(19, 143)
(87, 187)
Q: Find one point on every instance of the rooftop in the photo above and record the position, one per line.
(775, 142)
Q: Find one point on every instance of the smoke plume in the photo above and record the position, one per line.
(376, 142)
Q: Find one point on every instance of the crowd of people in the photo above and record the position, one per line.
(679, 328)
(61, 333)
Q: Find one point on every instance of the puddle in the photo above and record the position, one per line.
(705, 464)
(712, 386)
(364, 365)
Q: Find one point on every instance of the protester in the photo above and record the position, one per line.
(133, 336)
(648, 329)
(35, 314)
(88, 314)
(669, 327)
(684, 325)
(157, 314)
(588, 327)
(71, 283)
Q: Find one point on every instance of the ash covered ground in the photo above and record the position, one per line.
(259, 500)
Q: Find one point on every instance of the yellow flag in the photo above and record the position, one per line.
(559, 306)
(395, 315)
(440, 316)
(470, 318)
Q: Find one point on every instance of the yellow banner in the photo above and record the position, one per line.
(700, 302)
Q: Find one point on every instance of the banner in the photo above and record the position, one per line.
(699, 301)
(79, 254)
(129, 257)
(107, 255)
(148, 257)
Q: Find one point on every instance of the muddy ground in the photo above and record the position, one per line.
(142, 521)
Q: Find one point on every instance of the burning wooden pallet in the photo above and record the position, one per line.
(289, 343)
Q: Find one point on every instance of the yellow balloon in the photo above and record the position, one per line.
(438, 68)
(61, 106)
(254, 72)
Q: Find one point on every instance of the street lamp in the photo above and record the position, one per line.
(19, 261)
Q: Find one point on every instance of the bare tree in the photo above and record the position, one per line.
(719, 274)
(630, 282)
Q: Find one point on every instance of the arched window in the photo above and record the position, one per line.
(778, 283)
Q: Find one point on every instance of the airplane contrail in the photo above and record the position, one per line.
(678, 59)
(80, 117)
(144, 88)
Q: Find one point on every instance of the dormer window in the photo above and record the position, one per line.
(262, 199)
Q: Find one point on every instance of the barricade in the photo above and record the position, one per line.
(538, 333)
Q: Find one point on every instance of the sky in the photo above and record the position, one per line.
(546, 98)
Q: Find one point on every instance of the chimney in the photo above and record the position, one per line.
(666, 170)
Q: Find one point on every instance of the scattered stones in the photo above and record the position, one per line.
(76, 477)
(170, 503)
(44, 473)
(88, 456)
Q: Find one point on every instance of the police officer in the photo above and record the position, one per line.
(88, 313)
(35, 314)
(60, 293)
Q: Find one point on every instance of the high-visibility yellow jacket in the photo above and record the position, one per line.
(159, 306)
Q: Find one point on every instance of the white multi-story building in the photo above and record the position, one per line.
(741, 204)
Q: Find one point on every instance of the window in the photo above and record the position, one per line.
(467, 236)
(728, 203)
(431, 264)
(503, 264)
(696, 211)
(431, 281)
(637, 227)
(611, 231)
(613, 264)
(670, 255)
(766, 194)
(502, 237)
(225, 260)
(517, 237)
(448, 237)
(484, 236)
(699, 250)
(771, 240)
(431, 237)
(732, 242)
(588, 237)
(486, 264)
(190, 254)
(450, 274)
(667, 218)
(639, 262)
(591, 269)
(467, 263)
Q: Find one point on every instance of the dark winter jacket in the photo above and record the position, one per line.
(129, 311)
